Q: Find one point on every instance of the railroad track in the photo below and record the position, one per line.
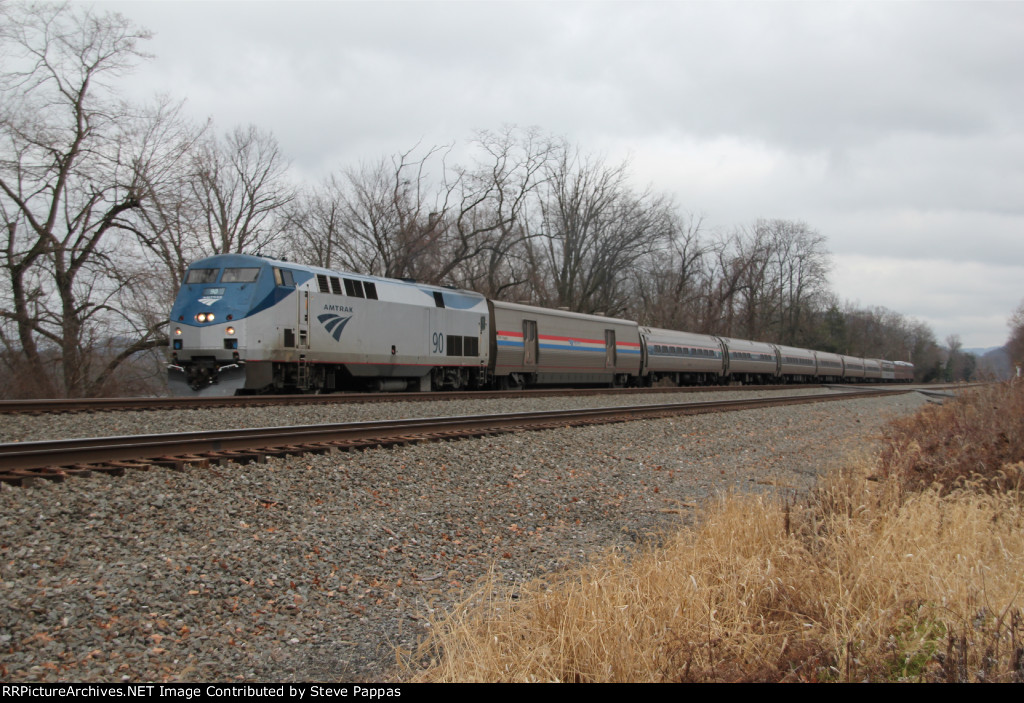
(24, 463)
(73, 405)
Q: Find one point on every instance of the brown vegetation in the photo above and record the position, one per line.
(970, 441)
(906, 568)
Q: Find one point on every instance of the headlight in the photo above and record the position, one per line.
(230, 330)
(204, 317)
(177, 331)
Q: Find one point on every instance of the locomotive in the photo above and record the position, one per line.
(250, 325)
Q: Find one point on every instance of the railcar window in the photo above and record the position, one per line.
(240, 275)
(201, 275)
(371, 289)
(335, 285)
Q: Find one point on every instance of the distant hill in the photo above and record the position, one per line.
(993, 363)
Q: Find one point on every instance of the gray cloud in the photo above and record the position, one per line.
(895, 129)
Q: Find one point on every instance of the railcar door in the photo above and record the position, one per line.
(609, 349)
(530, 343)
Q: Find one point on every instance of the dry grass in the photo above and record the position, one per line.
(965, 441)
(869, 579)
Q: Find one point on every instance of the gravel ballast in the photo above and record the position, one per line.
(28, 428)
(314, 568)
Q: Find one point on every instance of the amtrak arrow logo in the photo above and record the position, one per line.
(334, 324)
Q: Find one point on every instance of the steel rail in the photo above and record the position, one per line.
(17, 457)
(69, 405)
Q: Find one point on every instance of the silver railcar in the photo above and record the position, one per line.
(684, 358)
(537, 346)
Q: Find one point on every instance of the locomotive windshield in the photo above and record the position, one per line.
(231, 275)
(240, 275)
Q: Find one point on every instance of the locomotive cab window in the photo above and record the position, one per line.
(284, 277)
(201, 275)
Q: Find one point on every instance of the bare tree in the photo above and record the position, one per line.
(771, 282)
(959, 365)
(239, 183)
(314, 225)
(413, 215)
(486, 210)
(71, 166)
(379, 219)
(801, 263)
(672, 287)
(1015, 345)
(596, 229)
(169, 224)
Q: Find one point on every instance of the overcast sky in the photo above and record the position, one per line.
(894, 129)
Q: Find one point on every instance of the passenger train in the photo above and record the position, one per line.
(250, 325)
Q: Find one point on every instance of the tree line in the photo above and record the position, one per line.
(104, 204)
